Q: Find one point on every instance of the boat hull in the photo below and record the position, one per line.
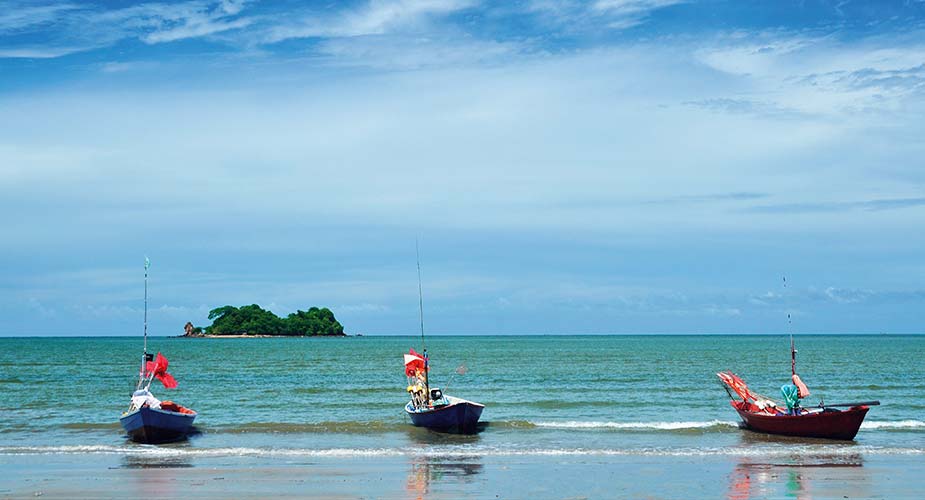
(149, 425)
(458, 416)
(825, 424)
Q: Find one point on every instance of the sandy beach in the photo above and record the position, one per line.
(566, 477)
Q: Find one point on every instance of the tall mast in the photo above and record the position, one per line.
(144, 354)
(147, 264)
(793, 351)
(417, 252)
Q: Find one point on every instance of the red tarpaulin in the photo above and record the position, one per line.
(801, 387)
(413, 361)
(737, 385)
(159, 368)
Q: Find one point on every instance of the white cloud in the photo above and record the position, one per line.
(401, 53)
(375, 18)
(820, 74)
(16, 16)
(71, 28)
(195, 28)
(575, 15)
(632, 7)
(45, 312)
(36, 52)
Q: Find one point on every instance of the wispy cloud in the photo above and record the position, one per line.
(68, 28)
(576, 15)
(375, 18)
(816, 73)
(841, 206)
(41, 52)
(19, 16)
(403, 53)
(628, 13)
(746, 107)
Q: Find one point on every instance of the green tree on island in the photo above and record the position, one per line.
(254, 320)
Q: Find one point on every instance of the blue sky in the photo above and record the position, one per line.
(612, 166)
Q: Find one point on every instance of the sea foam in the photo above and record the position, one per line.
(641, 426)
(891, 425)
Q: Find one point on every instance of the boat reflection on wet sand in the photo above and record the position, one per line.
(428, 475)
(801, 477)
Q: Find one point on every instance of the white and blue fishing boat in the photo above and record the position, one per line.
(149, 420)
(429, 407)
(432, 409)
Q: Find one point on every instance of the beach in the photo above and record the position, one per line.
(566, 417)
(527, 476)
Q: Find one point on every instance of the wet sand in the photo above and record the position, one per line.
(567, 477)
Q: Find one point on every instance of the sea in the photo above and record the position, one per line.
(557, 406)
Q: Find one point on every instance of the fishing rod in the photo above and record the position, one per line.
(460, 370)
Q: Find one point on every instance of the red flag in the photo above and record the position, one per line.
(159, 368)
(413, 361)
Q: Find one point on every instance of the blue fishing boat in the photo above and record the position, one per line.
(446, 413)
(158, 425)
(429, 407)
(149, 420)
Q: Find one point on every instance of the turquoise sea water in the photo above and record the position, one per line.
(544, 395)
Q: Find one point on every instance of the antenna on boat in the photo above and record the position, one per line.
(793, 351)
(144, 354)
(417, 252)
(147, 265)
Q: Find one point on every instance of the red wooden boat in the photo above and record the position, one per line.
(762, 414)
(825, 422)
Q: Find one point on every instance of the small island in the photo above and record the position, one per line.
(254, 321)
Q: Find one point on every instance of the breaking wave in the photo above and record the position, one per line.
(894, 425)
(340, 427)
(706, 426)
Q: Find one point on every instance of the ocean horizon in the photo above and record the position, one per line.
(601, 334)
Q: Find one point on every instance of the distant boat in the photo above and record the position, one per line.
(762, 414)
(149, 420)
(429, 407)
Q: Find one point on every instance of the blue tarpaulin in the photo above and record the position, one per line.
(791, 395)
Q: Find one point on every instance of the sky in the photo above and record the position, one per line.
(609, 166)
